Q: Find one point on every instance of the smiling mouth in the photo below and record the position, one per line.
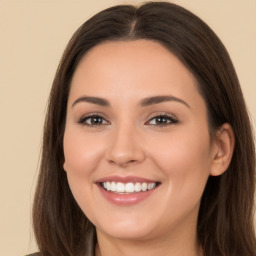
(129, 187)
(126, 191)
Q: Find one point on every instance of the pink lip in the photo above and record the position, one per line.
(125, 199)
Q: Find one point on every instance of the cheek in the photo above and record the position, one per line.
(185, 160)
(82, 153)
(183, 156)
(82, 157)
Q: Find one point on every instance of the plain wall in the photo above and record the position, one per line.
(33, 34)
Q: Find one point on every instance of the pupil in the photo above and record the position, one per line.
(96, 120)
(161, 120)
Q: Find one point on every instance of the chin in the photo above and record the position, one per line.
(128, 231)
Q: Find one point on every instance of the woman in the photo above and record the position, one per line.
(148, 148)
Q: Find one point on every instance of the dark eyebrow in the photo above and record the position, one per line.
(159, 99)
(144, 103)
(93, 100)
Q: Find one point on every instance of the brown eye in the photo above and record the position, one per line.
(94, 120)
(162, 120)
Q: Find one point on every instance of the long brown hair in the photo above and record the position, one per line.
(225, 222)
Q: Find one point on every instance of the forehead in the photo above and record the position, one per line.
(143, 67)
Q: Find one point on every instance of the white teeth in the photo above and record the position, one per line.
(108, 185)
(129, 187)
(151, 185)
(144, 186)
(137, 187)
(113, 186)
(120, 187)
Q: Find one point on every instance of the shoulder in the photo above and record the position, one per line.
(33, 254)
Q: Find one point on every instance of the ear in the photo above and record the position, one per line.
(224, 143)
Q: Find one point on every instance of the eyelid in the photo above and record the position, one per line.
(91, 115)
(172, 119)
(169, 116)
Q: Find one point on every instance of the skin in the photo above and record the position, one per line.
(128, 141)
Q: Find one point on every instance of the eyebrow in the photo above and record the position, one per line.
(144, 103)
(93, 100)
(159, 99)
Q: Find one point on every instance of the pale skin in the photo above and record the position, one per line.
(165, 139)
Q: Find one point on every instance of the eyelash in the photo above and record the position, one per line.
(169, 120)
(84, 120)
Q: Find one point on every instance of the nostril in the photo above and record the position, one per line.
(123, 153)
(122, 163)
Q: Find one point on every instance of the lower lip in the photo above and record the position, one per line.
(126, 199)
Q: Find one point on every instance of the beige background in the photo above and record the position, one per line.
(33, 34)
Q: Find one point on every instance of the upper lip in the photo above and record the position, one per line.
(125, 179)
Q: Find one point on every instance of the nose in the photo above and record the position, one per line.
(125, 147)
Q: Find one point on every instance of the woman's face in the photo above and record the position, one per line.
(136, 143)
